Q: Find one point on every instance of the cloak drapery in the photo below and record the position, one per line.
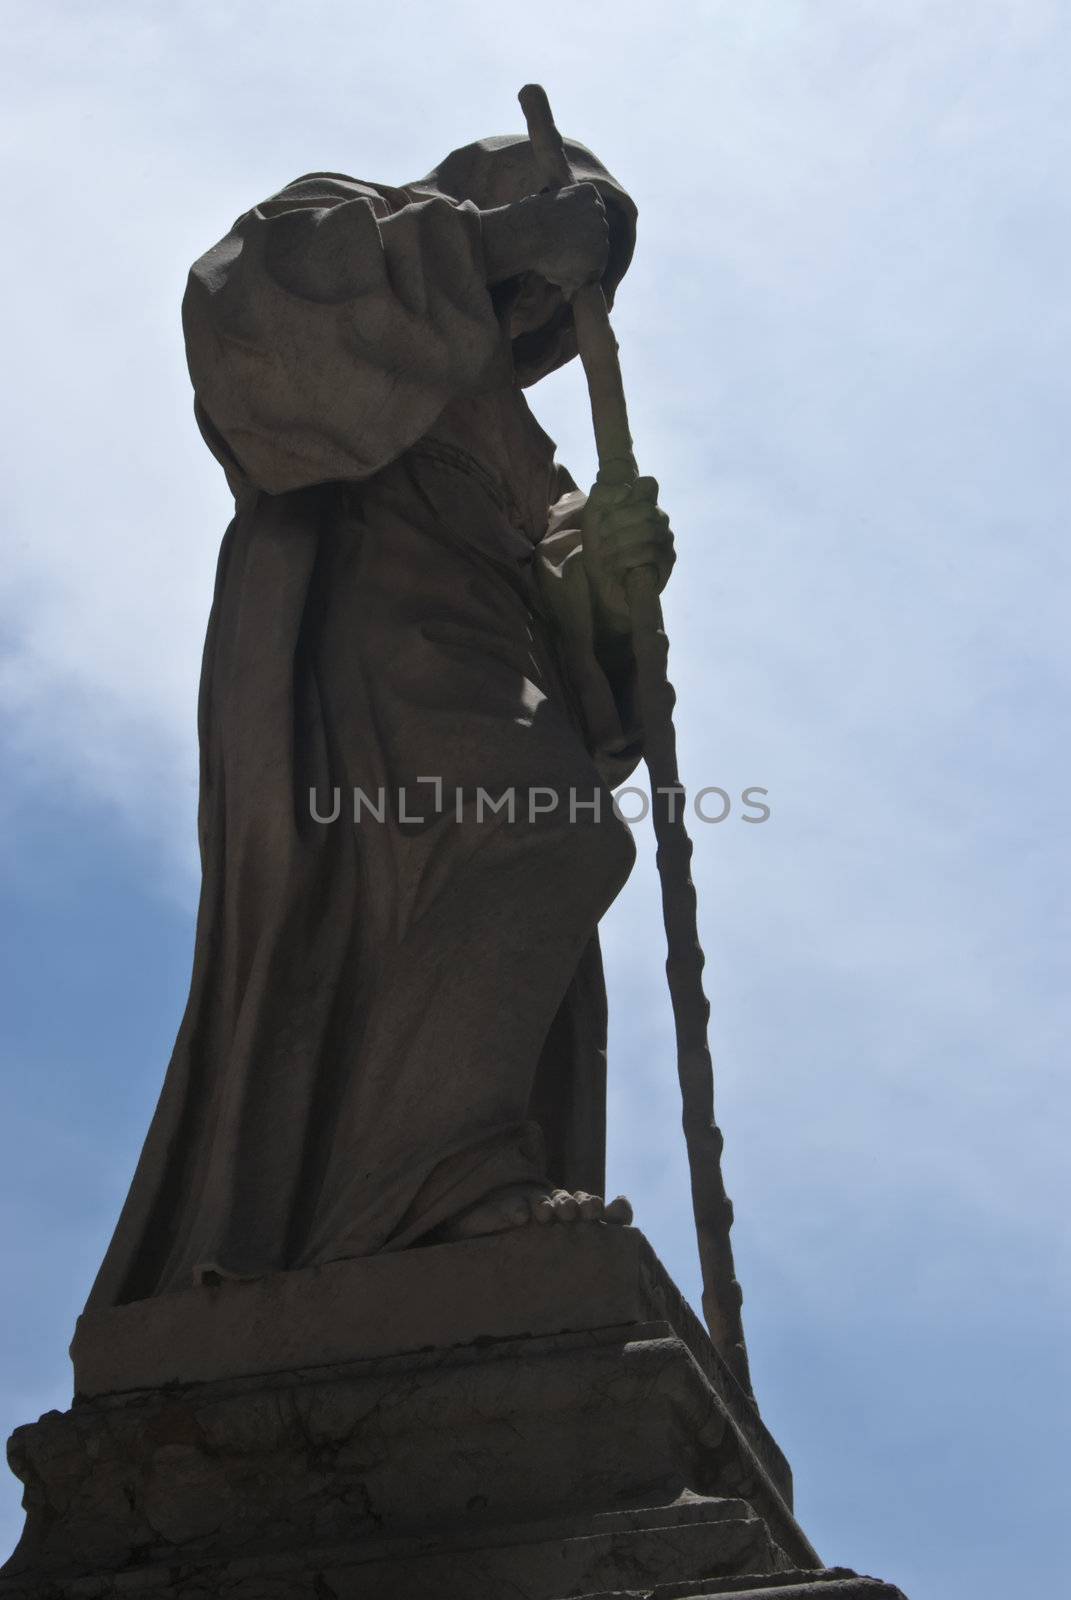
(388, 1018)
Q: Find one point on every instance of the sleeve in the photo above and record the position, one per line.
(331, 326)
(603, 686)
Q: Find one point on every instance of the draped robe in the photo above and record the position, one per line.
(388, 1019)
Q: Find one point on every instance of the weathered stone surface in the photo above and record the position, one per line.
(578, 1459)
(832, 1583)
(536, 1562)
(530, 1282)
(526, 1283)
(542, 1464)
(553, 1561)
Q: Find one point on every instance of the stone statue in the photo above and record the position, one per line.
(396, 1026)
(429, 660)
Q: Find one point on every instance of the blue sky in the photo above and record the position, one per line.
(847, 342)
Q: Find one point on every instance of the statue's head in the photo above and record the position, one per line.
(500, 170)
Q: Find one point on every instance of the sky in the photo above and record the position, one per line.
(846, 339)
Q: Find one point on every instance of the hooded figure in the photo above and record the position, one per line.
(390, 1017)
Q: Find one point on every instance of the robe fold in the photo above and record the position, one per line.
(398, 1010)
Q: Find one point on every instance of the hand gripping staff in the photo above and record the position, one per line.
(684, 962)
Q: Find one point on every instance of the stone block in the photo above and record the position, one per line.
(538, 1415)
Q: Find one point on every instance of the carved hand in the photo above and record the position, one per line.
(564, 236)
(623, 527)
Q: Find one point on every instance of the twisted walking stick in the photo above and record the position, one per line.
(684, 962)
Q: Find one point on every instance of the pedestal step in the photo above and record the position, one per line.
(831, 1583)
(698, 1550)
(297, 1439)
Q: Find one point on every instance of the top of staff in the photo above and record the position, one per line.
(547, 142)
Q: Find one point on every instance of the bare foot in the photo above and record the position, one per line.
(561, 1205)
(521, 1204)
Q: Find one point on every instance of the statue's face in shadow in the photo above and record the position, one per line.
(536, 304)
(540, 321)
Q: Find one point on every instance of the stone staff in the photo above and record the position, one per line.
(684, 963)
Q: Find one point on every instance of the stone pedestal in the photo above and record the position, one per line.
(537, 1415)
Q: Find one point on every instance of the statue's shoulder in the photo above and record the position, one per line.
(333, 188)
